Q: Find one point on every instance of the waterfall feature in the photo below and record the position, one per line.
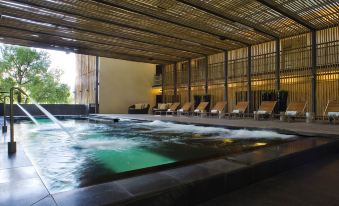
(28, 114)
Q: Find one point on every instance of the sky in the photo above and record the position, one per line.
(65, 62)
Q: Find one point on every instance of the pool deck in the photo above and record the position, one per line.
(229, 177)
(320, 128)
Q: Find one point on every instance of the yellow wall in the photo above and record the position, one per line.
(124, 83)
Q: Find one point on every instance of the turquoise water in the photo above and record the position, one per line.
(97, 152)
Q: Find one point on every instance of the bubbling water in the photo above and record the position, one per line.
(162, 127)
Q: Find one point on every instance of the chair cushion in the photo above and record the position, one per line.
(196, 110)
(333, 114)
(236, 111)
(169, 110)
(138, 106)
(180, 110)
(291, 113)
(214, 111)
(163, 106)
(262, 112)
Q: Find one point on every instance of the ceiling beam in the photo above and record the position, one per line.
(154, 16)
(41, 4)
(285, 12)
(79, 36)
(68, 46)
(85, 51)
(73, 26)
(256, 28)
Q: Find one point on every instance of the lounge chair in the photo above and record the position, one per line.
(161, 108)
(295, 109)
(332, 111)
(218, 109)
(138, 109)
(185, 109)
(201, 108)
(173, 108)
(239, 109)
(265, 110)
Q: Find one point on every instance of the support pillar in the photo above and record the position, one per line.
(175, 88)
(97, 84)
(277, 64)
(189, 80)
(206, 75)
(162, 83)
(249, 78)
(314, 72)
(225, 76)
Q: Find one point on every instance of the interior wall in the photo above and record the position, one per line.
(124, 83)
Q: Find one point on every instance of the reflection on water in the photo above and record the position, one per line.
(98, 152)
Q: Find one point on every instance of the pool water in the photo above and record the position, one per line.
(98, 152)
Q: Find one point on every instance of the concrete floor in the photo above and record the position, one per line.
(311, 184)
(320, 128)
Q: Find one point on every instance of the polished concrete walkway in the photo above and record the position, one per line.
(313, 184)
(319, 128)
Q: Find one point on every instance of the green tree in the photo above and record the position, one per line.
(29, 69)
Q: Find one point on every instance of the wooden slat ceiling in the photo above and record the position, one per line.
(159, 31)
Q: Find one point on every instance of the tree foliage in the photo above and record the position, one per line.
(29, 69)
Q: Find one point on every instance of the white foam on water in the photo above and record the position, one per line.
(116, 144)
(161, 126)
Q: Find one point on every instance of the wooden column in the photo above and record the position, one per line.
(314, 72)
(277, 64)
(225, 76)
(249, 87)
(97, 59)
(175, 88)
(162, 83)
(206, 75)
(189, 80)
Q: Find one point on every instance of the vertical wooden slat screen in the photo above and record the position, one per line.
(295, 71)
(262, 70)
(198, 77)
(85, 79)
(168, 83)
(327, 67)
(237, 77)
(182, 81)
(216, 78)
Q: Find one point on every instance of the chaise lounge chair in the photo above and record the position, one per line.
(332, 111)
(161, 108)
(173, 108)
(185, 109)
(239, 109)
(265, 110)
(295, 109)
(138, 109)
(201, 109)
(218, 109)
